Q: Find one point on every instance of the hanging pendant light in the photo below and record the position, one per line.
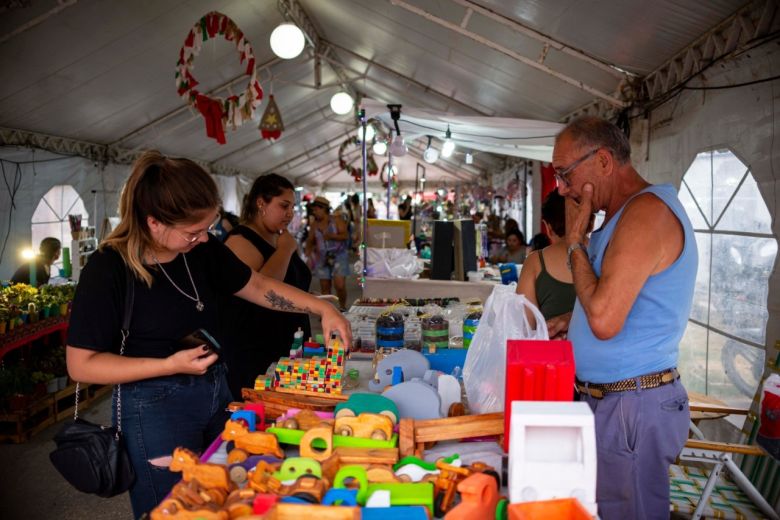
(287, 41)
(430, 155)
(449, 145)
(341, 103)
(370, 133)
(380, 148)
(398, 145)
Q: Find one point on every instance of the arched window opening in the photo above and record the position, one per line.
(723, 350)
(50, 218)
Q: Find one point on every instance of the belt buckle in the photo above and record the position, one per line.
(595, 393)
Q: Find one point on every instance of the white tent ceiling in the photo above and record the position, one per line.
(102, 71)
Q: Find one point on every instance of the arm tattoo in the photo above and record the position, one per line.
(281, 303)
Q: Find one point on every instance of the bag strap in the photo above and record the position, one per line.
(125, 331)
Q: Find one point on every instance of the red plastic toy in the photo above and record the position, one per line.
(537, 371)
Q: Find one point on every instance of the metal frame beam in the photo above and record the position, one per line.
(97, 152)
(753, 21)
(512, 54)
(425, 88)
(293, 11)
(536, 35)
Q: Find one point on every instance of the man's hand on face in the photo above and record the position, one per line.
(578, 215)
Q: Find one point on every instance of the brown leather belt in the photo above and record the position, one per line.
(599, 390)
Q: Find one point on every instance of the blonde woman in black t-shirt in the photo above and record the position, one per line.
(171, 395)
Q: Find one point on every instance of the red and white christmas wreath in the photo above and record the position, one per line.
(218, 112)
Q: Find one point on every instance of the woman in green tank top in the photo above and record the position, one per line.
(545, 278)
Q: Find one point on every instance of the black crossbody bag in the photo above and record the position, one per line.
(91, 457)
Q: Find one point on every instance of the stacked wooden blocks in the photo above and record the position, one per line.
(321, 375)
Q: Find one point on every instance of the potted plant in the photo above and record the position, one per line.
(5, 313)
(19, 388)
(58, 366)
(45, 378)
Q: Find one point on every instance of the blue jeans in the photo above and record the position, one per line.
(165, 412)
(638, 435)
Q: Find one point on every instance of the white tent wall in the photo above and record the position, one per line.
(742, 119)
(84, 175)
(37, 178)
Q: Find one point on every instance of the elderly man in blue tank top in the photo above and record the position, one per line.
(634, 283)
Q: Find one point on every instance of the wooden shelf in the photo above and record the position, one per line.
(19, 426)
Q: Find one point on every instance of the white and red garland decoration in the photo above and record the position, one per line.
(357, 173)
(218, 112)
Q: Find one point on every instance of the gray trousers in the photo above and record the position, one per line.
(638, 435)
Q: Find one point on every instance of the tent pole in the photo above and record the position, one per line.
(363, 247)
(389, 177)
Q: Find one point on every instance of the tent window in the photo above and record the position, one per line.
(50, 218)
(722, 352)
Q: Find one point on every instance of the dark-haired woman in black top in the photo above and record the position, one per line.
(263, 243)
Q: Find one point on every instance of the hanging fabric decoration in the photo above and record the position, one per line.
(218, 112)
(357, 173)
(271, 125)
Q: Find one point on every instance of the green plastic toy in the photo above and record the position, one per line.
(294, 467)
(364, 402)
(401, 494)
(429, 466)
(288, 436)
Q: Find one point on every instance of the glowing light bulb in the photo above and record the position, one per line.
(380, 147)
(398, 146)
(341, 103)
(287, 41)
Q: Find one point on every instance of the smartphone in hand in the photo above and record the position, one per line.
(201, 337)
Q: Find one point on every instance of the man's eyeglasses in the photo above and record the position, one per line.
(191, 237)
(562, 176)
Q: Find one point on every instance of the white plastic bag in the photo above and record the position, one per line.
(503, 318)
(391, 263)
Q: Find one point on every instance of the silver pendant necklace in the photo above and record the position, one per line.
(198, 304)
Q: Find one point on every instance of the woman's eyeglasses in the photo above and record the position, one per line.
(562, 176)
(192, 237)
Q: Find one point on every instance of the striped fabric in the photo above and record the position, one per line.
(727, 500)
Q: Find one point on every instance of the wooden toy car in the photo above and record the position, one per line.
(304, 420)
(365, 425)
(239, 470)
(261, 479)
(307, 487)
(363, 402)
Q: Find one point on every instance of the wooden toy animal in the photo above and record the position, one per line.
(208, 475)
(256, 443)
